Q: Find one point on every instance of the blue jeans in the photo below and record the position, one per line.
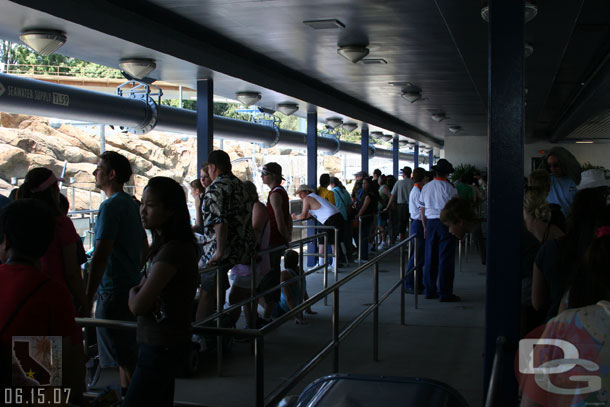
(152, 383)
(440, 259)
(365, 231)
(417, 228)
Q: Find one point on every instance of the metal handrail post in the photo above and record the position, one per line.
(376, 311)
(415, 272)
(253, 308)
(325, 279)
(359, 239)
(402, 288)
(336, 254)
(259, 370)
(335, 325)
(219, 338)
(460, 253)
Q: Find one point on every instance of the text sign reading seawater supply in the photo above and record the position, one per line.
(37, 95)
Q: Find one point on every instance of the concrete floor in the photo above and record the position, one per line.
(441, 341)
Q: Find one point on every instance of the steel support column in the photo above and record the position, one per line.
(505, 199)
(395, 156)
(431, 159)
(416, 155)
(364, 144)
(205, 120)
(312, 172)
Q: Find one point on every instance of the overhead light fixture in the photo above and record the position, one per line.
(387, 137)
(327, 24)
(248, 98)
(353, 53)
(531, 10)
(584, 142)
(137, 67)
(44, 42)
(403, 143)
(287, 108)
(411, 96)
(455, 129)
(528, 49)
(376, 134)
(439, 116)
(334, 122)
(350, 126)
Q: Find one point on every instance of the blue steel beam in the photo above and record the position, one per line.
(364, 144)
(416, 155)
(395, 155)
(205, 120)
(505, 199)
(431, 158)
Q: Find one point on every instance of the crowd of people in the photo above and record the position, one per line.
(566, 228)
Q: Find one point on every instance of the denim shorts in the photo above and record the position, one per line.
(116, 347)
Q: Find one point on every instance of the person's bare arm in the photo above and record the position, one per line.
(276, 203)
(539, 290)
(198, 215)
(305, 212)
(422, 217)
(365, 204)
(221, 230)
(101, 253)
(74, 279)
(143, 296)
(259, 217)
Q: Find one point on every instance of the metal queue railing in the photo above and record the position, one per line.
(496, 372)
(258, 334)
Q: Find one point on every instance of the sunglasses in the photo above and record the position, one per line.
(265, 172)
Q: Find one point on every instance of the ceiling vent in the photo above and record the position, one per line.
(328, 24)
(373, 61)
(411, 95)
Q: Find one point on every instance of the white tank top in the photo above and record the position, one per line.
(326, 209)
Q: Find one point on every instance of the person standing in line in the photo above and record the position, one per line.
(344, 204)
(565, 177)
(400, 196)
(120, 246)
(417, 229)
(383, 215)
(367, 208)
(440, 243)
(324, 212)
(163, 300)
(323, 190)
(357, 190)
(281, 232)
(228, 233)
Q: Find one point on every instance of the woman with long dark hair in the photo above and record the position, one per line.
(367, 210)
(163, 301)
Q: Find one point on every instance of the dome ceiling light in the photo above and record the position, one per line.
(248, 98)
(334, 122)
(287, 108)
(353, 53)
(387, 137)
(44, 42)
(403, 143)
(350, 126)
(455, 129)
(439, 116)
(531, 10)
(137, 67)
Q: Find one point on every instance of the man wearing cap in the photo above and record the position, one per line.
(323, 211)
(400, 196)
(440, 244)
(280, 232)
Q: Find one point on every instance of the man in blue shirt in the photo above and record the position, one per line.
(120, 247)
(563, 187)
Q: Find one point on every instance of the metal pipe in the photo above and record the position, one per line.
(335, 324)
(336, 254)
(259, 370)
(415, 272)
(39, 98)
(219, 339)
(401, 252)
(376, 311)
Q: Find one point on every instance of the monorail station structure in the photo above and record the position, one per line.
(489, 83)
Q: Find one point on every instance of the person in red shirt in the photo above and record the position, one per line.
(32, 303)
